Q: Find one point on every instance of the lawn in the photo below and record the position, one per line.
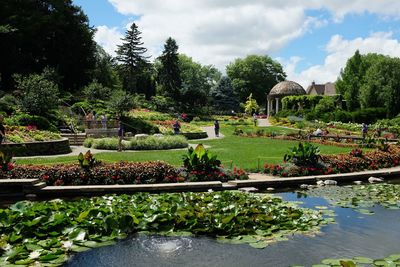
(232, 151)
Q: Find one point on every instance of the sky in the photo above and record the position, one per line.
(312, 39)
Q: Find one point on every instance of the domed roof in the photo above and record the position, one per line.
(287, 88)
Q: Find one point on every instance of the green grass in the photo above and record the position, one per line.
(231, 150)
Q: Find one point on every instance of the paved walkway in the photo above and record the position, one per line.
(81, 149)
(263, 123)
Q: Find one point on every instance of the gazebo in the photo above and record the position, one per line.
(279, 91)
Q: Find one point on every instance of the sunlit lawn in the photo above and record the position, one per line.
(232, 150)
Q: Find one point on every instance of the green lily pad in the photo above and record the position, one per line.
(259, 245)
(363, 260)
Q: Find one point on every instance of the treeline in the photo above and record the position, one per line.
(371, 81)
(47, 48)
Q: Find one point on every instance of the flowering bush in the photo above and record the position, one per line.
(341, 163)
(117, 173)
(21, 134)
(356, 152)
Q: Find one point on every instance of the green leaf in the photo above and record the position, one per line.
(259, 245)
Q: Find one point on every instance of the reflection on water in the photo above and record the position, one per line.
(354, 234)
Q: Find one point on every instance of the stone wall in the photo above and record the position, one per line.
(54, 147)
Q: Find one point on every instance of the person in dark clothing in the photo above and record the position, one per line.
(2, 129)
(120, 135)
(216, 128)
(176, 126)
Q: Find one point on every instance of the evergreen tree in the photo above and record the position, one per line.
(169, 75)
(131, 55)
(223, 96)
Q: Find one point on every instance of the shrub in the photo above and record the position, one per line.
(137, 125)
(303, 155)
(116, 173)
(24, 119)
(149, 143)
(40, 95)
(200, 159)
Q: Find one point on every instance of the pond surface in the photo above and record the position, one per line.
(355, 234)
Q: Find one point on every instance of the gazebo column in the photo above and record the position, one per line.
(268, 104)
(276, 105)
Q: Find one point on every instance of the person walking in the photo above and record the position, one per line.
(216, 128)
(176, 126)
(120, 135)
(364, 130)
(2, 129)
(255, 119)
(104, 121)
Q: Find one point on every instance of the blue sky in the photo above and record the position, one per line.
(312, 40)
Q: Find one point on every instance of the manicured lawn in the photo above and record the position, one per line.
(231, 150)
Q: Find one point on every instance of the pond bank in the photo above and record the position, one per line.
(35, 188)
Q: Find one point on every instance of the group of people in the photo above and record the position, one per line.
(92, 120)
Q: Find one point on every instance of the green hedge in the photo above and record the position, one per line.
(138, 126)
(24, 119)
(149, 143)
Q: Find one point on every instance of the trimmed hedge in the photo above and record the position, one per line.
(149, 143)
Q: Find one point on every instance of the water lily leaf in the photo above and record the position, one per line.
(76, 248)
(77, 235)
(23, 262)
(381, 262)
(49, 257)
(363, 260)
(259, 245)
(364, 211)
(91, 244)
(320, 265)
(82, 216)
(393, 257)
(347, 263)
(331, 261)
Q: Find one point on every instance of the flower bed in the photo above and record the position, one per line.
(148, 143)
(107, 174)
(341, 163)
(24, 134)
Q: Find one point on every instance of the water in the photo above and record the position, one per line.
(354, 234)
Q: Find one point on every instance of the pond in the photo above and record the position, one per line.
(354, 234)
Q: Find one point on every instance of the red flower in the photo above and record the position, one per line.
(45, 177)
(10, 166)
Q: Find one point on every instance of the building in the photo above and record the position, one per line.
(321, 89)
(279, 91)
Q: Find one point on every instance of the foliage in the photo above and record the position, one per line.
(23, 119)
(303, 155)
(8, 104)
(105, 71)
(356, 152)
(48, 232)
(39, 95)
(223, 96)
(131, 55)
(254, 75)
(47, 33)
(162, 103)
(103, 174)
(150, 115)
(148, 143)
(87, 161)
(391, 260)
(302, 101)
(169, 73)
(120, 102)
(138, 125)
(96, 91)
(200, 159)
(197, 81)
(251, 105)
(23, 134)
(361, 197)
(6, 162)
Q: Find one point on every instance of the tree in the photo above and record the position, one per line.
(96, 91)
(169, 74)
(131, 54)
(197, 81)
(105, 71)
(255, 75)
(120, 102)
(39, 95)
(41, 33)
(251, 106)
(223, 96)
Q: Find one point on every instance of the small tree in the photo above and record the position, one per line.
(251, 105)
(39, 95)
(96, 91)
(223, 96)
(120, 102)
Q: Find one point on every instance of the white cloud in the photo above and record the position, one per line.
(218, 31)
(108, 38)
(339, 50)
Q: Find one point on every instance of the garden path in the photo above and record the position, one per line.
(81, 149)
(263, 123)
